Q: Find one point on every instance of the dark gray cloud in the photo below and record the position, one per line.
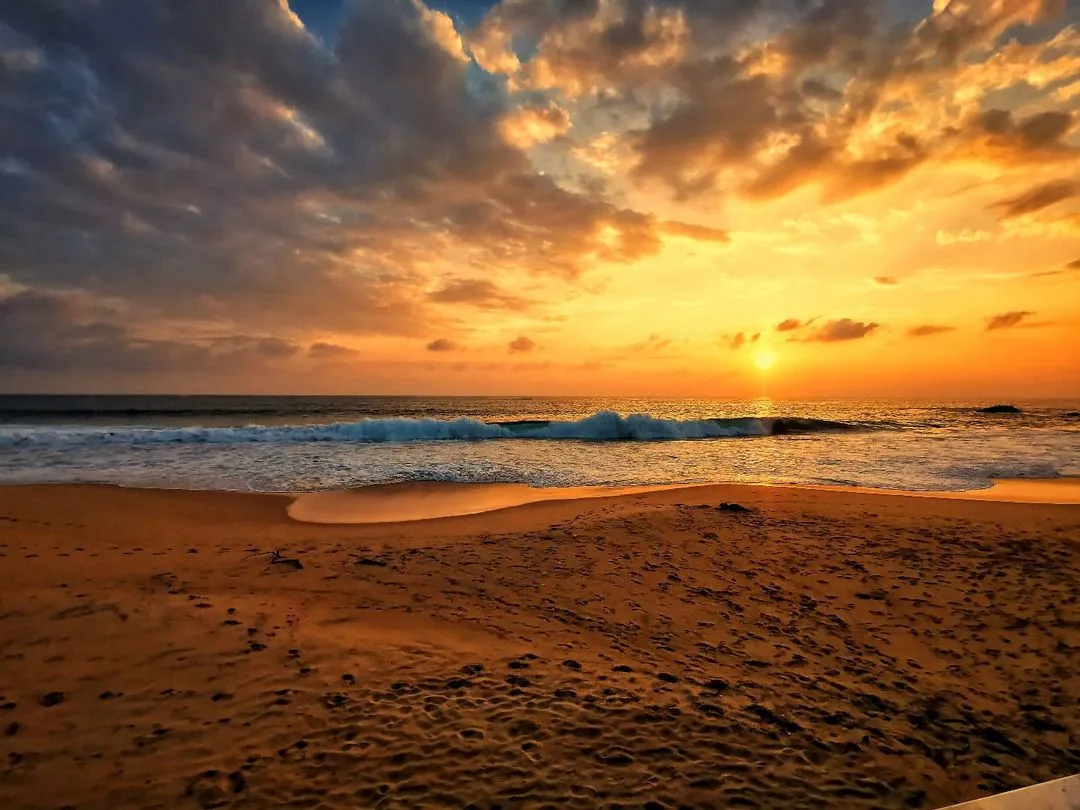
(522, 345)
(478, 292)
(232, 168)
(442, 345)
(1007, 320)
(926, 330)
(1041, 131)
(67, 332)
(331, 352)
(1038, 198)
(841, 330)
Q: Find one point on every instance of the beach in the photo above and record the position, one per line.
(814, 648)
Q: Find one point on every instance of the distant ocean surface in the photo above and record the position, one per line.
(279, 444)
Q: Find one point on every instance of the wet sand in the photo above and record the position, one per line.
(396, 503)
(825, 649)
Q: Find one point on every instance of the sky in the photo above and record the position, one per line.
(709, 198)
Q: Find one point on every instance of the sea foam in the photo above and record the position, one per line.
(603, 426)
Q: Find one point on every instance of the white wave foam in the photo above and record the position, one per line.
(604, 426)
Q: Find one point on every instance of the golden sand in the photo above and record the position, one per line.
(399, 503)
(825, 649)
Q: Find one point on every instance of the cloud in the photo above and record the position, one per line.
(442, 345)
(886, 281)
(62, 332)
(1038, 198)
(330, 352)
(791, 324)
(927, 330)
(737, 341)
(653, 343)
(841, 330)
(762, 121)
(522, 345)
(477, 292)
(241, 173)
(1073, 265)
(531, 124)
(200, 186)
(966, 236)
(582, 47)
(1006, 320)
(700, 233)
(996, 135)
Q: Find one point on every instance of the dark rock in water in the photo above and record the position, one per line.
(12, 729)
(570, 663)
(1072, 414)
(717, 685)
(1000, 409)
(52, 699)
(667, 677)
(732, 507)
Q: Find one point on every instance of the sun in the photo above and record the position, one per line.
(765, 359)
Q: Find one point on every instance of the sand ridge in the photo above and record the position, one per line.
(822, 650)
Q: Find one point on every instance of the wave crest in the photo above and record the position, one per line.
(604, 426)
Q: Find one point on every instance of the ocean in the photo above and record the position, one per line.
(310, 443)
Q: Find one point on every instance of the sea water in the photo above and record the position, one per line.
(279, 444)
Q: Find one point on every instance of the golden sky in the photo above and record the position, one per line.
(625, 197)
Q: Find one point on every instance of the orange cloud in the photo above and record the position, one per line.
(531, 124)
(1006, 320)
(929, 329)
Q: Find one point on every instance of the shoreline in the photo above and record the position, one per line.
(427, 501)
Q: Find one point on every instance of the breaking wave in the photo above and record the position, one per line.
(600, 427)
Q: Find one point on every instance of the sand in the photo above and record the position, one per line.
(407, 502)
(826, 649)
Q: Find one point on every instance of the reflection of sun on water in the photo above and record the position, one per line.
(765, 359)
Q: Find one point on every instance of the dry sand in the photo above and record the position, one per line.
(826, 649)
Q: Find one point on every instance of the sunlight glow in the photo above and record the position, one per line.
(765, 359)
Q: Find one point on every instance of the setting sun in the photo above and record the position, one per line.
(765, 359)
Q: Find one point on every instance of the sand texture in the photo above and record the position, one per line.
(824, 649)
